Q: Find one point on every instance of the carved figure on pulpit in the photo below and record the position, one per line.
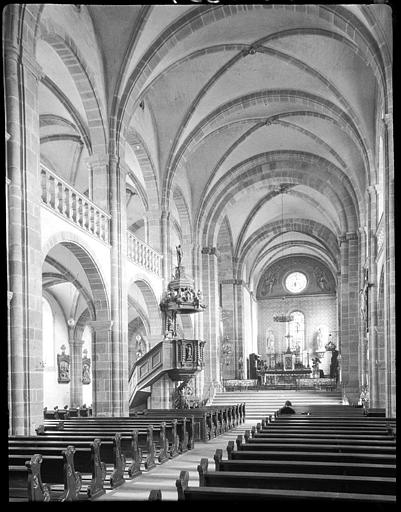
(188, 352)
(179, 255)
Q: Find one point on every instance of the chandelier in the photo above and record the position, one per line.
(282, 316)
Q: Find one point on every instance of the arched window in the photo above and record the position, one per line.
(296, 329)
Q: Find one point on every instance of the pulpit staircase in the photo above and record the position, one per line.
(261, 403)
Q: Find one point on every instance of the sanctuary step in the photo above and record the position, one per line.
(261, 403)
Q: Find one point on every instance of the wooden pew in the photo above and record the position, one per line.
(305, 445)
(185, 427)
(132, 443)
(110, 452)
(57, 468)
(296, 481)
(25, 481)
(86, 461)
(58, 462)
(164, 433)
(203, 429)
(318, 439)
(277, 496)
(296, 466)
(251, 452)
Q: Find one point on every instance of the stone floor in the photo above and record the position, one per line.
(164, 475)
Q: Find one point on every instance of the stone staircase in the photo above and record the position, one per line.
(260, 403)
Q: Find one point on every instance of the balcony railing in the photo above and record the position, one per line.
(70, 204)
(142, 254)
(58, 195)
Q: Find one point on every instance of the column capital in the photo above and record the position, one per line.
(387, 118)
(98, 160)
(76, 342)
(212, 251)
(372, 189)
(101, 325)
(351, 235)
(24, 57)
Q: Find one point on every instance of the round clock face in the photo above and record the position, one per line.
(295, 282)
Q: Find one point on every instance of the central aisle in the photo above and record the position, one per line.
(164, 475)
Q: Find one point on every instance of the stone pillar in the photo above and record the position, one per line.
(98, 180)
(389, 273)
(363, 333)
(119, 291)
(102, 386)
(372, 298)
(165, 239)
(211, 315)
(350, 314)
(21, 75)
(75, 368)
(155, 231)
(240, 355)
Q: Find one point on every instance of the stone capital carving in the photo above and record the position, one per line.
(212, 251)
(387, 118)
(351, 235)
(97, 161)
(101, 325)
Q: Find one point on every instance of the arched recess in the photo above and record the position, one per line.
(148, 301)
(151, 189)
(84, 80)
(295, 168)
(90, 268)
(274, 229)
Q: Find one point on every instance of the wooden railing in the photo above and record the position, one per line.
(58, 195)
(142, 254)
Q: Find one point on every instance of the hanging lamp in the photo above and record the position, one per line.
(282, 316)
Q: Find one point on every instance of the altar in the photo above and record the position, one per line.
(287, 378)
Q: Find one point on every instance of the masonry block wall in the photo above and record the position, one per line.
(318, 310)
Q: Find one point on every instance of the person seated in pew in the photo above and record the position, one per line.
(287, 409)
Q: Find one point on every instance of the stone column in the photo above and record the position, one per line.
(240, 355)
(102, 386)
(75, 368)
(372, 298)
(363, 333)
(349, 248)
(119, 291)
(211, 315)
(389, 275)
(165, 245)
(21, 75)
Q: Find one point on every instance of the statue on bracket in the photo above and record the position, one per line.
(63, 366)
(86, 365)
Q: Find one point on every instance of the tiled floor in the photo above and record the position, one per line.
(164, 475)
